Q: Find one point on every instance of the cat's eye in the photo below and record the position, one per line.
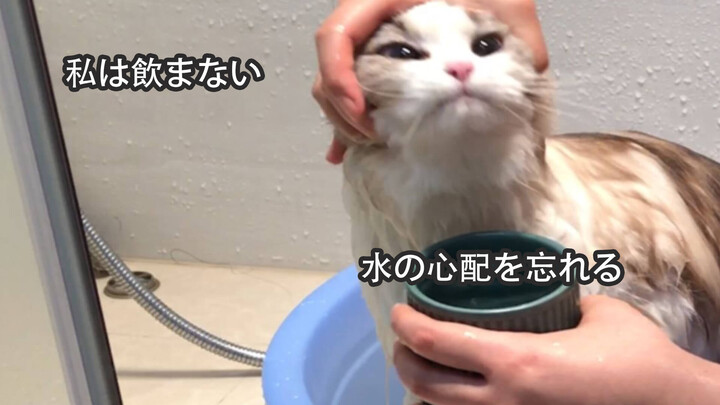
(487, 44)
(399, 50)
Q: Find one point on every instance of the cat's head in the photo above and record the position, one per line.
(439, 72)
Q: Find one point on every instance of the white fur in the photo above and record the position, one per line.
(472, 165)
(566, 217)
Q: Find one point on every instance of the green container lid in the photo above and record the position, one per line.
(523, 308)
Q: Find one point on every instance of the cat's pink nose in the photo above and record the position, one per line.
(459, 70)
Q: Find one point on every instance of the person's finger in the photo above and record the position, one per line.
(596, 308)
(335, 62)
(362, 126)
(331, 112)
(525, 24)
(349, 26)
(437, 384)
(336, 152)
(359, 120)
(341, 124)
(452, 344)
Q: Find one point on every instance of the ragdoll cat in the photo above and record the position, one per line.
(464, 145)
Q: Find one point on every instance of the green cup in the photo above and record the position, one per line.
(523, 308)
(497, 306)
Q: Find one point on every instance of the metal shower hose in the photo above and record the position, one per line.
(152, 304)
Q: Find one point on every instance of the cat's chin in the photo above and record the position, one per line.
(462, 119)
(465, 105)
(469, 116)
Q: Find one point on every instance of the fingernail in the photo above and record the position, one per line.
(332, 158)
(335, 153)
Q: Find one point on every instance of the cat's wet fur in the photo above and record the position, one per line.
(445, 165)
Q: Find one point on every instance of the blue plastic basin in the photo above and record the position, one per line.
(326, 352)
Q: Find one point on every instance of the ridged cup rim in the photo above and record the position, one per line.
(427, 302)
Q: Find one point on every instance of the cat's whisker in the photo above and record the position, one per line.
(549, 109)
(566, 84)
(413, 127)
(554, 85)
(560, 113)
(582, 106)
(418, 86)
(576, 80)
(527, 185)
(564, 100)
(513, 113)
(558, 86)
(548, 90)
(397, 96)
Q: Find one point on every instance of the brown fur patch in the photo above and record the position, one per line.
(696, 178)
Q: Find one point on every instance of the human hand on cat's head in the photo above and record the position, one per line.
(616, 355)
(336, 89)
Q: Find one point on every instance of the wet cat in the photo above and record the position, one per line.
(464, 124)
